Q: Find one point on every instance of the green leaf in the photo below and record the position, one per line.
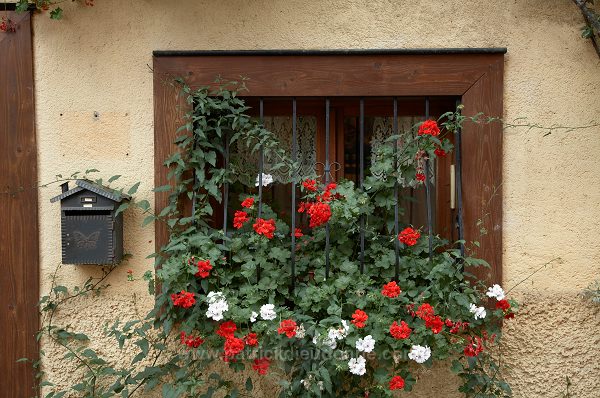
(114, 178)
(162, 188)
(249, 385)
(133, 189)
(124, 206)
(57, 13)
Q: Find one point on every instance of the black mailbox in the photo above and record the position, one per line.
(91, 232)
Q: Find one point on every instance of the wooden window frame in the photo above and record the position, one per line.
(474, 75)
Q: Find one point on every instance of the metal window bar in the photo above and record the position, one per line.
(396, 196)
(294, 177)
(260, 176)
(361, 180)
(226, 184)
(428, 192)
(327, 169)
(458, 168)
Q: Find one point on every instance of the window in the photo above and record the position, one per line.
(473, 77)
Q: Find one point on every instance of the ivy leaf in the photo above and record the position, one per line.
(114, 178)
(249, 385)
(133, 189)
(57, 13)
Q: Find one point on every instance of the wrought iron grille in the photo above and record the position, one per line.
(327, 165)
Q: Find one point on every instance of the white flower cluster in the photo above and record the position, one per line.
(267, 179)
(333, 335)
(478, 312)
(217, 305)
(496, 292)
(267, 312)
(419, 353)
(366, 344)
(253, 316)
(357, 366)
(300, 332)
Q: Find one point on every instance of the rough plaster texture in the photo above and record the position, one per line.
(96, 60)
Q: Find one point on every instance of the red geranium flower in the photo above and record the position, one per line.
(239, 218)
(298, 233)
(287, 326)
(401, 331)
(391, 289)
(310, 185)
(425, 311)
(434, 323)
(204, 268)
(303, 206)
(227, 329)
(191, 341)
(264, 227)
(503, 305)
(261, 365)
(359, 318)
(319, 214)
(248, 202)
(420, 177)
(439, 152)
(331, 186)
(510, 315)
(183, 299)
(233, 346)
(474, 347)
(251, 339)
(397, 383)
(429, 127)
(409, 236)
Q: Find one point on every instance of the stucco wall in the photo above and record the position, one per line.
(96, 60)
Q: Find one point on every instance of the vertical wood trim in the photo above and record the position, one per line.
(482, 172)
(170, 108)
(19, 245)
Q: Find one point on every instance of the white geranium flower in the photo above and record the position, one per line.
(330, 342)
(496, 292)
(267, 179)
(357, 366)
(300, 332)
(366, 344)
(267, 312)
(217, 305)
(253, 316)
(419, 354)
(478, 312)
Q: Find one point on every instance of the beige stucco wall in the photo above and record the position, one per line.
(96, 60)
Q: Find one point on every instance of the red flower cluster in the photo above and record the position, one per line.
(264, 227)
(397, 383)
(455, 327)
(420, 177)
(409, 236)
(359, 318)
(319, 214)
(7, 25)
(432, 321)
(261, 365)
(204, 268)
(439, 152)
(183, 299)
(401, 331)
(239, 218)
(251, 339)
(233, 346)
(298, 233)
(504, 305)
(474, 347)
(310, 185)
(248, 202)
(391, 289)
(227, 329)
(429, 127)
(287, 326)
(191, 341)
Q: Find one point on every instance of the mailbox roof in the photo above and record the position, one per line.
(94, 187)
